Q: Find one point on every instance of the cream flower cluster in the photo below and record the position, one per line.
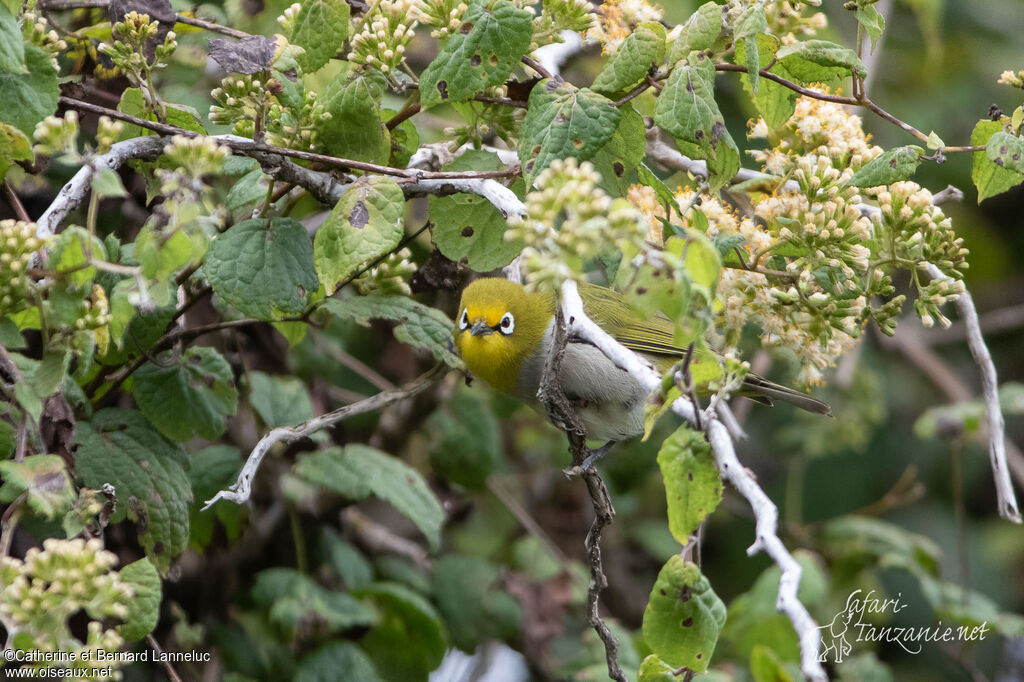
(570, 220)
(390, 276)
(42, 592)
(37, 31)
(445, 16)
(618, 19)
(385, 34)
(786, 18)
(18, 243)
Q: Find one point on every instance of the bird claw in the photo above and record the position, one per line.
(588, 461)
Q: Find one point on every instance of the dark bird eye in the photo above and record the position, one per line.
(464, 320)
(507, 324)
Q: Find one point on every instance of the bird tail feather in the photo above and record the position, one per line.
(761, 390)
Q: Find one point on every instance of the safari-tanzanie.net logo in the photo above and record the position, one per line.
(851, 625)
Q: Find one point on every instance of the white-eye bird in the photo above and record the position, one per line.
(503, 334)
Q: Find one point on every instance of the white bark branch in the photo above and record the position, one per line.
(765, 512)
(1006, 498)
(241, 489)
(552, 56)
(74, 192)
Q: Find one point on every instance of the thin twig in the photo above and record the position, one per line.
(172, 674)
(241, 489)
(533, 64)
(19, 208)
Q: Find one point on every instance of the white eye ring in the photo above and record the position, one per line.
(507, 324)
(464, 320)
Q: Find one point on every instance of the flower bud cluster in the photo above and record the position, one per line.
(94, 312)
(618, 20)
(18, 243)
(787, 19)
(390, 276)
(58, 137)
(385, 33)
(288, 17)
(108, 132)
(445, 16)
(36, 30)
(190, 159)
(128, 51)
(296, 128)
(570, 220)
(243, 99)
(562, 15)
(1012, 78)
(42, 592)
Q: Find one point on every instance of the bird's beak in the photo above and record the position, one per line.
(480, 328)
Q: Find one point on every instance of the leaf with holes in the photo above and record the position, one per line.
(358, 471)
(263, 268)
(776, 103)
(683, 617)
(563, 122)
(1006, 151)
(187, 395)
(481, 53)
(618, 160)
(686, 107)
(630, 64)
(989, 178)
(147, 471)
(354, 129)
(367, 222)
(320, 29)
(699, 32)
(418, 325)
(467, 227)
(692, 486)
(812, 61)
(892, 166)
(144, 606)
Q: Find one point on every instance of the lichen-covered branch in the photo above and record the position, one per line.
(240, 491)
(765, 512)
(990, 390)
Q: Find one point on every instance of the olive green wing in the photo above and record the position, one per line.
(644, 335)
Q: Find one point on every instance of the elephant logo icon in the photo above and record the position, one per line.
(833, 636)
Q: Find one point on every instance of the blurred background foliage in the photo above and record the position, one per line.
(889, 489)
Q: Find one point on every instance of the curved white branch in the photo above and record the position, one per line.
(765, 512)
(500, 196)
(552, 56)
(1006, 498)
(241, 489)
(77, 188)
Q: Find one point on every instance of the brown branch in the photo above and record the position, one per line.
(562, 415)
(172, 674)
(211, 26)
(19, 208)
(538, 68)
(248, 147)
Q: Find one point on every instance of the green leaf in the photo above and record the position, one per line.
(12, 45)
(8, 439)
(467, 445)
(107, 183)
(686, 107)
(148, 474)
(481, 53)
(776, 103)
(263, 268)
(467, 226)
(699, 32)
(751, 24)
(43, 479)
(213, 469)
(347, 561)
(187, 394)
(692, 486)
(366, 223)
(160, 256)
(468, 594)
(358, 471)
(684, 616)
(279, 401)
(1006, 151)
(297, 603)
(766, 666)
(354, 129)
(29, 96)
(619, 159)
(892, 166)
(653, 669)
(872, 21)
(134, 103)
(324, 664)
(47, 376)
(563, 122)
(71, 252)
(630, 64)
(410, 641)
(418, 325)
(14, 146)
(989, 178)
(811, 61)
(247, 191)
(664, 195)
(144, 606)
(874, 540)
(320, 29)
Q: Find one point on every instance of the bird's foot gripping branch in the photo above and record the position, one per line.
(188, 277)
